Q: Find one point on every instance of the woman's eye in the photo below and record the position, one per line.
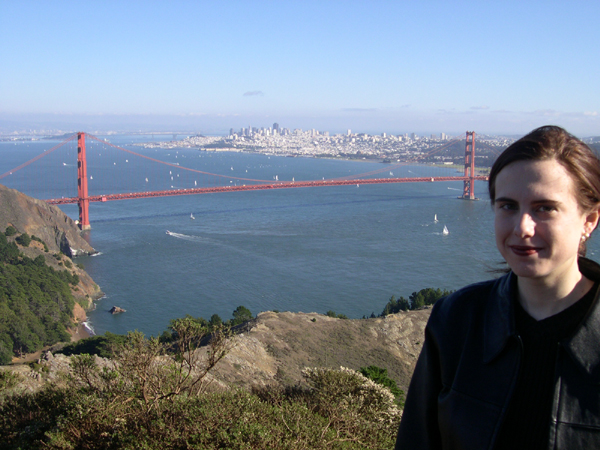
(507, 206)
(546, 208)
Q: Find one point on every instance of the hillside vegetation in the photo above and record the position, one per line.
(153, 395)
(43, 294)
(273, 382)
(36, 304)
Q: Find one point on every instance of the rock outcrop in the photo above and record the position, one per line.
(116, 310)
(48, 222)
(59, 232)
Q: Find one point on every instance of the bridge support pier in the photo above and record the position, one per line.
(82, 186)
(469, 183)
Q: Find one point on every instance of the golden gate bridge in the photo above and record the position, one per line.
(62, 191)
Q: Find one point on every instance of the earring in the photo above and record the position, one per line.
(585, 237)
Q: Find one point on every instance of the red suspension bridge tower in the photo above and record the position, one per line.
(82, 184)
(469, 183)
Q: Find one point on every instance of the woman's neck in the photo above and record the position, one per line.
(542, 298)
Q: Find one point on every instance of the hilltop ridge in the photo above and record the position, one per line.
(276, 346)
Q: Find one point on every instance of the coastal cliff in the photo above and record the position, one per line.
(48, 222)
(57, 239)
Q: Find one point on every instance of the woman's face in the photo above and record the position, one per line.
(538, 221)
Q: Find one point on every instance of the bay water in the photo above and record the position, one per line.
(346, 248)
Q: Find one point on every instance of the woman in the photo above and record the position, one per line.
(514, 363)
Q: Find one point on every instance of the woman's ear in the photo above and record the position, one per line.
(591, 221)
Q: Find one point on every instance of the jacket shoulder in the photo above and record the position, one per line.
(465, 297)
(468, 303)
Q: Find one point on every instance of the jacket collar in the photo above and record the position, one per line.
(500, 323)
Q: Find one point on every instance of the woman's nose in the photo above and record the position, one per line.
(525, 226)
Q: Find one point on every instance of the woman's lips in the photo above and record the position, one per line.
(524, 250)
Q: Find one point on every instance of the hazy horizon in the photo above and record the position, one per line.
(396, 67)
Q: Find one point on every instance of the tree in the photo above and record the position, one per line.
(426, 297)
(393, 306)
(24, 240)
(241, 315)
(215, 320)
(380, 376)
(10, 231)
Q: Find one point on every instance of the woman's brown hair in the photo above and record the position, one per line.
(552, 142)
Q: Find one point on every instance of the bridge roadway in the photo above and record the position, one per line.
(255, 187)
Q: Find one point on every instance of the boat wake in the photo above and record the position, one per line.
(187, 237)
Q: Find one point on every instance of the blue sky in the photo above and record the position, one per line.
(371, 66)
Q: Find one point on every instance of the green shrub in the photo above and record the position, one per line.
(105, 408)
(102, 345)
(241, 314)
(380, 376)
(8, 380)
(10, 231)
(331, 313)
(35, 238)
(215, 320)
(23, 240)
(416, 300)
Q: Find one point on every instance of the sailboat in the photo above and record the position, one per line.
(192, 216)
(435, 218)
(445, 232)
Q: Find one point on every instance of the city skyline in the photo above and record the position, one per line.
(382, 66)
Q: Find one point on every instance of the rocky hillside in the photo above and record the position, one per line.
(59, 233)
(273, 349)
(48, 222)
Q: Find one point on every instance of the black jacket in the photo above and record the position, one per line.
(465, 375)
